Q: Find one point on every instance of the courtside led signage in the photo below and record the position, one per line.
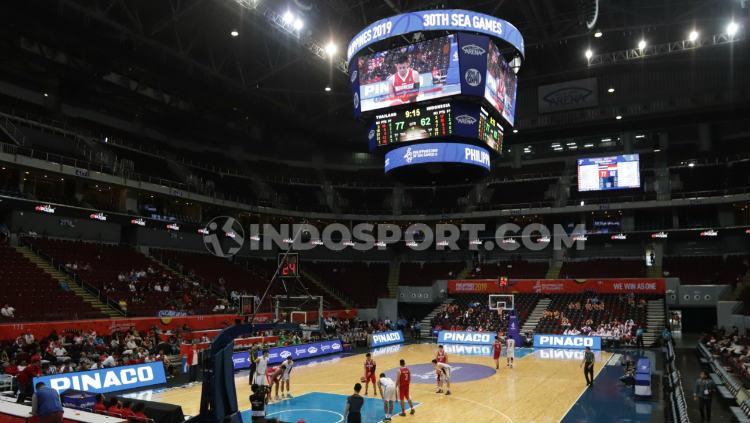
(45, 208)
(107, 380)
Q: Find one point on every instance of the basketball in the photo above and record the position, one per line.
(362, 379)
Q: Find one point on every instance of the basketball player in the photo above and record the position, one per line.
(274, 380)
(441, 356)
(288, 364)
(443, 371)
(404, 379)
(388, 393)
(404, 84)
(370, 367)
(510, 351)
(497, 349)
(261, 366)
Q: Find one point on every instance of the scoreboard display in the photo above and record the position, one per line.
(414, 123)
(490, 130)
(288, 265)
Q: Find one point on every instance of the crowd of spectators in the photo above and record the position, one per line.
(476, 316)
(732, 350)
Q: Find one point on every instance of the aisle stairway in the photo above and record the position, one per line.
(536, 315)
(68, 282)
(340, 297)
(655, 318)
(426, 323)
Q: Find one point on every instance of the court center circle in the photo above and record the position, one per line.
(424, 374)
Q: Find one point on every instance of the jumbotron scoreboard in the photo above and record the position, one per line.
(443, 100)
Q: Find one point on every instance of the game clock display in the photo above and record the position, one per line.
(490, 130)
(413, 124)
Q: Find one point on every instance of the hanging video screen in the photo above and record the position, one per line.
(501, 83)
(408, 74)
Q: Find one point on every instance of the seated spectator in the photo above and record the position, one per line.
(114, 408)
(8, 311)
(99, 406)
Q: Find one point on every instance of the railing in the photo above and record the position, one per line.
(678, 404)
(13, 131)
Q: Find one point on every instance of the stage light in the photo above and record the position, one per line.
(618, 117)
(45, 94)
(515, 131)
(298, 24)
(328, 89)
(598, 34)
(589, 53)
(331, 49)
(732, 28)
(641, 44)
(693, 35)
(288, 17)
(610, 90)
(234, 33)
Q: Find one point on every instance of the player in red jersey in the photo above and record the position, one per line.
(403, 85)
(441, 356)
(404, 380)
(497, 349)
(274, 379)
(370, 376)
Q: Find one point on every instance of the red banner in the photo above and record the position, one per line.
(559, 286)
(185, 348)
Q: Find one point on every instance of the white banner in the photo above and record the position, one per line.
(578, 94)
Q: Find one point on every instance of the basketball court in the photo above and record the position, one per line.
(479, 393)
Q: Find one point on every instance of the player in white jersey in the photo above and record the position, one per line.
(388, 392)
(288, 363)
(510, 350)
(443, 371)
(261, 366)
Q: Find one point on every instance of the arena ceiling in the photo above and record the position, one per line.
(264, 84)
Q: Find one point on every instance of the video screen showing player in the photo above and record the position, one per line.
(500, 89)
(416, 72)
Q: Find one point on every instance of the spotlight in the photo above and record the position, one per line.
(610, 90)
(45, 94)
(598, 34)
(288, 17)
(641, 44)
(515, 131)
(589, 53)
(234, 33)
(618, 117)
(298, 24)
(693, 35)
(328, 89)
(732, 28)
(331, 49)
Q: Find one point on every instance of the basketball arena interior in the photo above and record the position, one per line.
(344, 211)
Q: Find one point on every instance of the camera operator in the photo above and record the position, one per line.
(258, 403)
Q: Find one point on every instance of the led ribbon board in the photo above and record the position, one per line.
(435, 20)
(437, 153)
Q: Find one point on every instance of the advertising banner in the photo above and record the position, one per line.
(452, 20)
(467, 338)
(386, 338)
(112, 379)
(472, 59)
(572, 342)
(558, 286)
(437, 153)
(278, 354)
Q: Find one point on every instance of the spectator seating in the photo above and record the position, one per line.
(34, 294)
(516, 269)
(471, 312)
(108, 261)
(364, 283)
(423, 274)
(705, 269)
(616, 307)
(597, 268)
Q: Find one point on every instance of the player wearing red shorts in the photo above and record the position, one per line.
(404, 380)
(274, 378)
(497, 349)
(440, 357)
(370, 367)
